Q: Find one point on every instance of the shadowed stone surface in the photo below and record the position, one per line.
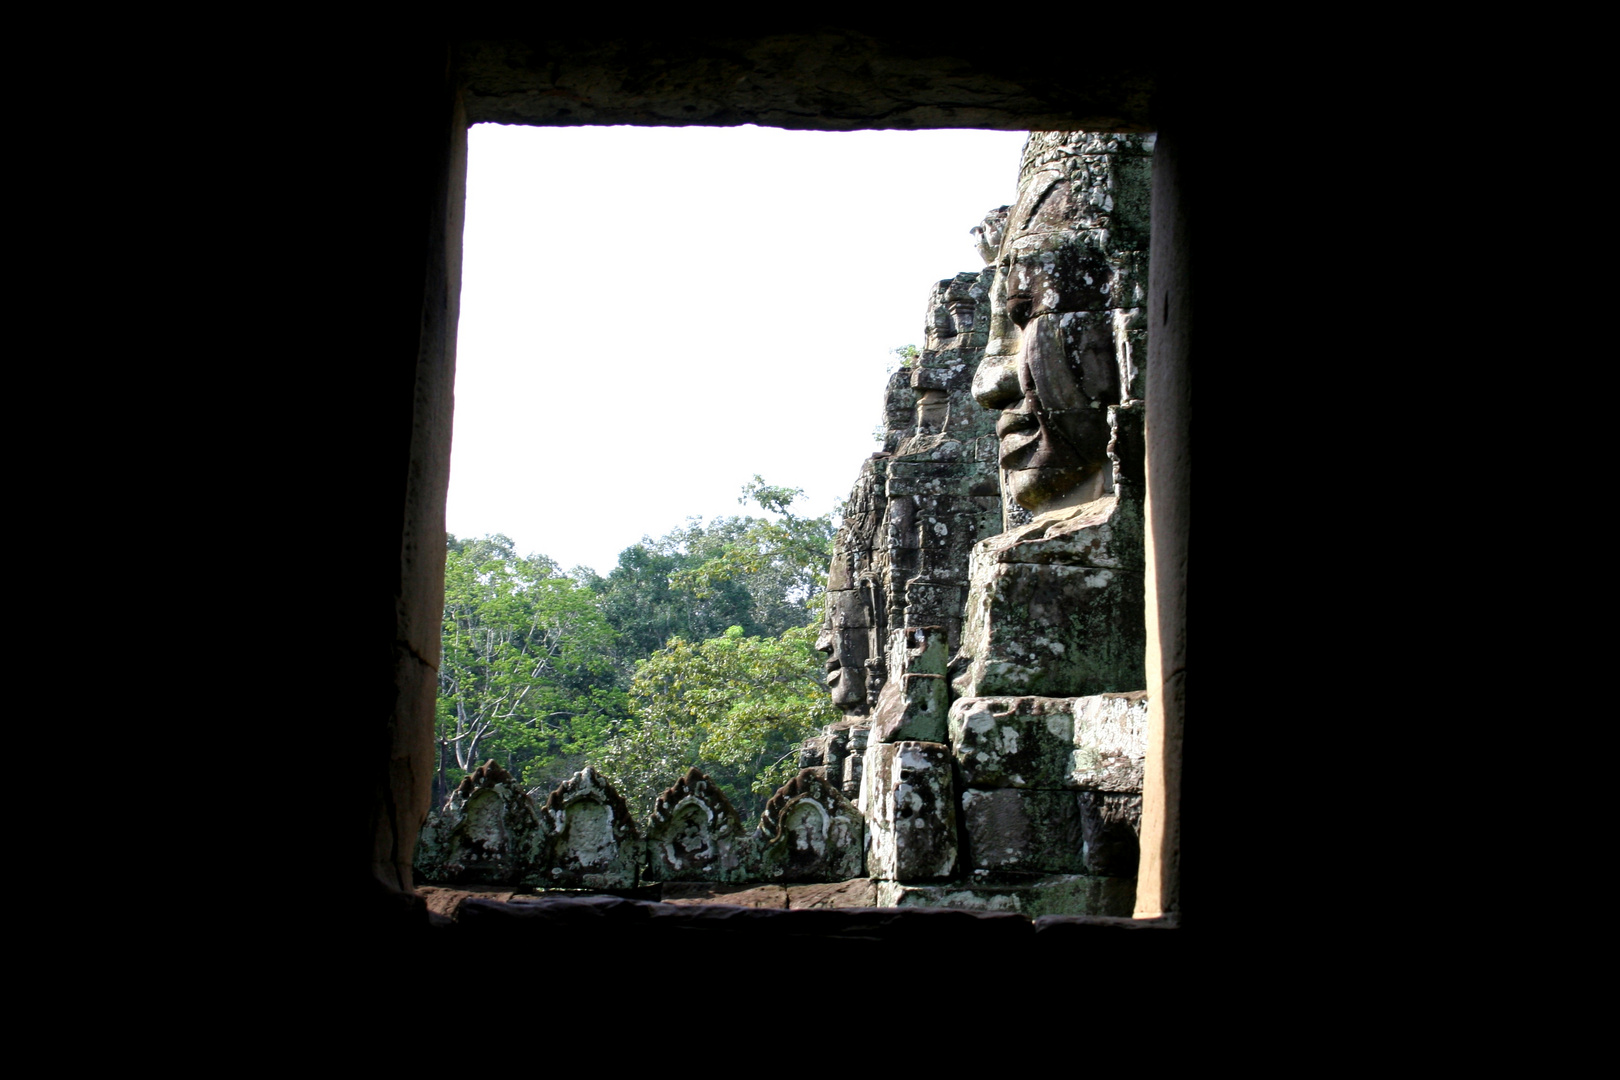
(862, 80)
(1024, 829)
(910, 805)
(487, 832)
(1041, 896)
(1111, 827)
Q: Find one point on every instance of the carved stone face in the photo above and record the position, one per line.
(953, 310)
(987, 234)
(1049, 365)
(846, 640)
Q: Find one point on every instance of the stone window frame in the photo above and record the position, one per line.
(419, 592)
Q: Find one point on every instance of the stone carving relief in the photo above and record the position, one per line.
(1057, 600)
(485, 834)
(693, 833)
(591, 841)
(811, 832)
(900, 561)
(984, 627)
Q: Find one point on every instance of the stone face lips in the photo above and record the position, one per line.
(909, 801)
(1055, 606)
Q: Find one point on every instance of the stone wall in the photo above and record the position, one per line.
(1005, 528)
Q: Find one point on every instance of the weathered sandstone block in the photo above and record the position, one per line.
(1088, 743)
(1055, 607)
(909, 800)
(1110, 742)
(1029, 829)
(913, 705)
(1013, 742)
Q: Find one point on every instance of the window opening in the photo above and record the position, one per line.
(639, 340)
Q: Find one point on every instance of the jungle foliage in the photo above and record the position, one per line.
(697, 649)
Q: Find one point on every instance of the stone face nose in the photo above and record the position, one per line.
(995, 383)
(824, 643)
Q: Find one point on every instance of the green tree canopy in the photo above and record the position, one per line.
(699, 579)
(525, 674)
(692, 651)
(735, 706)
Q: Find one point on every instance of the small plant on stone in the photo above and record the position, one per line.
(905, 356)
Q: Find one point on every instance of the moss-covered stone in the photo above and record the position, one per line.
(1070, 894)
(487, 833)
(909, 800)
(809, 832)
(1024, 829)
(694, 834)
(590, 841)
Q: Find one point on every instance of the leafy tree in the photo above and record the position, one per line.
(643, 604)
(737, 707)
(525, 674)
(697, 580)
(788, 551)
(693, 650)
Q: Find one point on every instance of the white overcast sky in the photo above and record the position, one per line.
(650, 316)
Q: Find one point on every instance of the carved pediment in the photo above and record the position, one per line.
(693, 831)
